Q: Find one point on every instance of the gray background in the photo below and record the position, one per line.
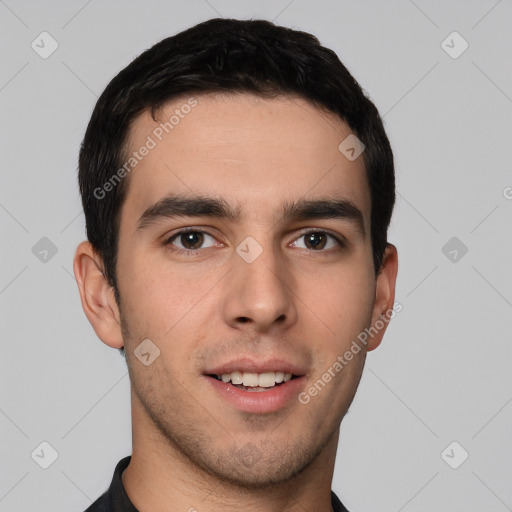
(442, 373)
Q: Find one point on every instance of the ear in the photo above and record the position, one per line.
(384, 297)
(97, 296)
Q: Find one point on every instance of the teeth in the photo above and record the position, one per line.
(266, 380)
(250, 379)
(263, 380)
(236, 377)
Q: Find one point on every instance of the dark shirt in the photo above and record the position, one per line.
(115, 498)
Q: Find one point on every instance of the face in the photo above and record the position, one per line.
(269, 271)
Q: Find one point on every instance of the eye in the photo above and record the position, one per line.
(318, 241)
(191, 240)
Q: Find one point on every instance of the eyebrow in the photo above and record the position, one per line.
(175, 205)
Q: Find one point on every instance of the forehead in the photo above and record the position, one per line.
(254, 153)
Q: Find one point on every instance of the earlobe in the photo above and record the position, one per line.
(97, 296)
(384, 297)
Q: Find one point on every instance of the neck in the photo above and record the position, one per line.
(160, 478)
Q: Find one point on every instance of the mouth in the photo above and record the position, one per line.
(256, 393)
(254, 382)
(257, 387)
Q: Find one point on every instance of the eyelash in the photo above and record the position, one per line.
(192, 252)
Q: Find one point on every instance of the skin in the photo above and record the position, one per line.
(295, 302)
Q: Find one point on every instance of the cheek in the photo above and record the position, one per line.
(146, 280)
(344, 305)
(167, 307)
(343, 300)
(148, 299)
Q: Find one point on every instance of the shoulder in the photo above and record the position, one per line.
(337, 506)
(102, 504)
(115, 498)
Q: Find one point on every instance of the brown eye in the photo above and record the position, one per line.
(315, 240)
(190, 240)
(318, 241)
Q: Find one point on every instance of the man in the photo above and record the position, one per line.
(237, 186)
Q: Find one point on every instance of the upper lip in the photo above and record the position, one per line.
(246, 364)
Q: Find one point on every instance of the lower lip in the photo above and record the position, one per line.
(258, 401)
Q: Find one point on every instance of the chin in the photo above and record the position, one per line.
(258, 465)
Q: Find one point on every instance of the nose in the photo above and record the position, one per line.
(260, 293)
